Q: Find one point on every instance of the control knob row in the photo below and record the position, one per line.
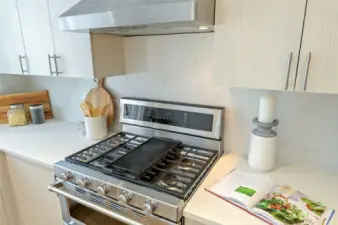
(149, 207)
(83, 182)
(103, 189)
(125, 197)
(66, 176)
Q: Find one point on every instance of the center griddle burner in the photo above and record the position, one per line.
(136, 162)
(162, 164)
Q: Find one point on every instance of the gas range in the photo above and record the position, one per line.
(146, 173)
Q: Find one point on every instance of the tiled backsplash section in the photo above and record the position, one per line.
(184, 68)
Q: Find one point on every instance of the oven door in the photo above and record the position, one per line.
(81, 207)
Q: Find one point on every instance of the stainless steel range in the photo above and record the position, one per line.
(146, 173)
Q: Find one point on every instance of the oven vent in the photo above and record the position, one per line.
(80, 191)
(87, 195)
(98, 200)
(138, 214)
(118, 208)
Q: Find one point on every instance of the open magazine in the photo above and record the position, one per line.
(275, 204)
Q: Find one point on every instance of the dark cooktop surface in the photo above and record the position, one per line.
(162, 164)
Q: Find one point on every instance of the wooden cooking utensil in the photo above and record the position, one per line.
(100, 98)
(87, 111)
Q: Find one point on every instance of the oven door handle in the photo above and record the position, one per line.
(58, 186)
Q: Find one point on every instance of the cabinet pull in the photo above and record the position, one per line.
(54, 57)
(50, 65)
(307, 64)
(56, 65)
(23, 71)
(288, 70)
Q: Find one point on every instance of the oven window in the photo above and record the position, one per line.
(88, 216)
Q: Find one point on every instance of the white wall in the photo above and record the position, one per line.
(192, 68)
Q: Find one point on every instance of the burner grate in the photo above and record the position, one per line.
(173, 168)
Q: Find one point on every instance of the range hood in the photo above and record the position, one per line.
(140, 17)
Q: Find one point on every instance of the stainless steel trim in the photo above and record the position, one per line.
(21, 66)
(307, 65)
(288, 70)
(216, 112)
(56, 65)
(56, 187)
(50, 65)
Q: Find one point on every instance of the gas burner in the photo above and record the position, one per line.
(102, 162)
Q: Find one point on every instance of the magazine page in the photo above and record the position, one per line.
(242, 188)
(283, 205)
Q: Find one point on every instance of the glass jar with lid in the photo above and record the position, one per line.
(17, 115)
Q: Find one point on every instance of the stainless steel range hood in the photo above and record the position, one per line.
(140, 17)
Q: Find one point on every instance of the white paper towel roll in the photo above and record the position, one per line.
(266, 112)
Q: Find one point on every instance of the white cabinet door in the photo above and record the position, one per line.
(254, 40)
(37, 34)
(11, 43)
(320, 38)
(74, 49)
(36, 205)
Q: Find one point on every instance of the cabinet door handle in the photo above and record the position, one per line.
(288, 70)
(307, 64)
(23, 71)
(50, 65)
(54, 57)
(56, 65)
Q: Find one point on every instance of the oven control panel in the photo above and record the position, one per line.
(196, 120)
(173, 117)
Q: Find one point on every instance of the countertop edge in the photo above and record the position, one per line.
(27, 158)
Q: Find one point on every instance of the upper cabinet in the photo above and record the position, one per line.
(318, 65)
(83, 54)
(37, 34)
(12, 51)
(261, 41)
(35, 45)
(282, 45)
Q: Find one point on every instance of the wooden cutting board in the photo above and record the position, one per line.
(100, 97)
(29, 98)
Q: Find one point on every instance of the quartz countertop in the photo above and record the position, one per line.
(43, 144)
(205, 208)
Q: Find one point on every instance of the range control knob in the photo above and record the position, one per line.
(103, 189)
(149, 207)
(125, 197)
(83, 182)
(66, 176)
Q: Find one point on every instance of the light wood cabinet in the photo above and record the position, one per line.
(8, 209)
(35, 204)
(280, 45)
(318, 72)
(256, 39)
(3, 215)
(11, 43)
